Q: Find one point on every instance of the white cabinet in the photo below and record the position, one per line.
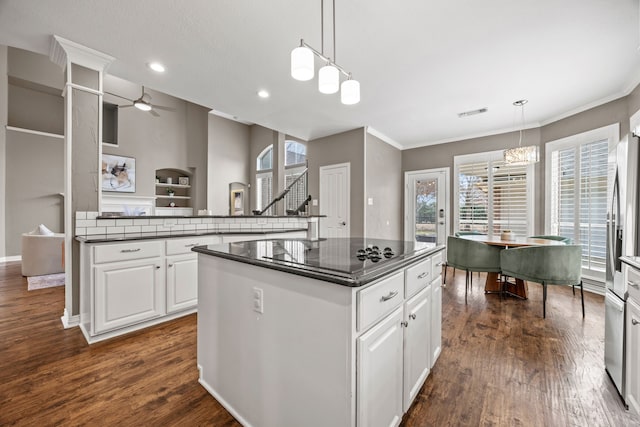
(633, 356)
(436, 319)
(127, 293)
(417, 344)
(380, 361)
(182, 282)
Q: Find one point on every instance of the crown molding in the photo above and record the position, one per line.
(63, 51)
(384, 138)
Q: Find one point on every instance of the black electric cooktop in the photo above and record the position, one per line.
(351, 261)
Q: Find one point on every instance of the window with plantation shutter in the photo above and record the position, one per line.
(492, 196)
(576, 194)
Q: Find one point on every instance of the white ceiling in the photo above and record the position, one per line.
(419, 62)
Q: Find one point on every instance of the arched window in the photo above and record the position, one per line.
(295, 162)
(264, 179)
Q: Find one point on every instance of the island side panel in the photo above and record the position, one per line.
(292, 364)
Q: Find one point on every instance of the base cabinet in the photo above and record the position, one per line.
(182, 282)
(436, 319)
(380, 362)
(632, 387)
(417, 344)
(127, 293)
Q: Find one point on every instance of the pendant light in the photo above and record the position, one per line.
(302, 66)
(522, 155)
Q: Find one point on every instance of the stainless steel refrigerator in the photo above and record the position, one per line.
(615, 292)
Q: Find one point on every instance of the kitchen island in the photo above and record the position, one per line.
(339, 332)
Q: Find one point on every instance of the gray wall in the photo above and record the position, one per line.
(34, 164)
(340, 148)
(228, 160)
(175, 140)
(383, 179)
(34, 182)
(4, 102)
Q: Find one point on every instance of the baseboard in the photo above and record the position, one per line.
(11, 258)
(222, 402)
(69, 321)
(593, 286)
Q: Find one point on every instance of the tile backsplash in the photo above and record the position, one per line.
(88, 224)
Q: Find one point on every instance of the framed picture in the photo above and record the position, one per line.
(118, 173)
(237, 202)
(183, 180)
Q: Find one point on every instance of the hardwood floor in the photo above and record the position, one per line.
(501, 365)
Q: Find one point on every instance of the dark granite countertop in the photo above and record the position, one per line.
(333, 260)
(101, 238)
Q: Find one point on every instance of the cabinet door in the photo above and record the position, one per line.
(417, 345)
(379, 373)
(127, 293)
(436, 319)
(633, 357)
(182, 282)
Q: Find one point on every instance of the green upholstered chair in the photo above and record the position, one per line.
(470, 256)
(458, 234)
(547, 265)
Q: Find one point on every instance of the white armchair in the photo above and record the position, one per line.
(42, 254)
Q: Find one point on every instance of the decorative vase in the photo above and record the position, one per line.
(507, 235)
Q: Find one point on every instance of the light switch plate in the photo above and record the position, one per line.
(258, 300)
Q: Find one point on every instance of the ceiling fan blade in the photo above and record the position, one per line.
(119, 96)
(125, 106)
(154, 113)
(160, 107)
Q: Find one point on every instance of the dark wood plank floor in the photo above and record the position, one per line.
(501, 365)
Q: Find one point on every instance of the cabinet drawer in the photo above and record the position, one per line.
(127, 251)
(377, 300)
(633, 283)
(184, 245)
(436, 264)
(418, 276)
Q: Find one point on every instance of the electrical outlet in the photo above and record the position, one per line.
(314, 202)
(258, 300)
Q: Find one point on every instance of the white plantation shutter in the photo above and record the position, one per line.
(493, 196)
(577, 197)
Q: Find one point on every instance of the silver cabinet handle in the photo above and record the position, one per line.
(412, 316)
(388, 297)
(634, 284)
(404, 323)
(423, 275)
(343, 223)
(190, 245)
(170, 265)
(634, 321)
(124, 251)
(439, 264)
(157, 267)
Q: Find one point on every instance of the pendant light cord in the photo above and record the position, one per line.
(334, 31)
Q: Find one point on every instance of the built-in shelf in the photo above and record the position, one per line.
(172, 197)
(34, 132)
(181, 198)
(164, 184)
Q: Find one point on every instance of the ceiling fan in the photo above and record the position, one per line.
(143, 103)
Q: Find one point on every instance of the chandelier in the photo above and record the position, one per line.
(303, 67)
(522, 155)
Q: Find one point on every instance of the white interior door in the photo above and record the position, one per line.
(427, 206)
(335, 195)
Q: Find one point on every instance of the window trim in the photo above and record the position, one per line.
(612, 134)
(489, 156)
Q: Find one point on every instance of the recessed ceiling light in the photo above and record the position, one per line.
(157, 67)
(263, 93)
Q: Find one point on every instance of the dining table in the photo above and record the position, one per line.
(494, 284)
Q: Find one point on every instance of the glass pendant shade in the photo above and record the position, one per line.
(328, 79)
(302, 66)
(350, 92)
(522, 155)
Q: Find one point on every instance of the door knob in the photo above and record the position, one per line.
(343, 223)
